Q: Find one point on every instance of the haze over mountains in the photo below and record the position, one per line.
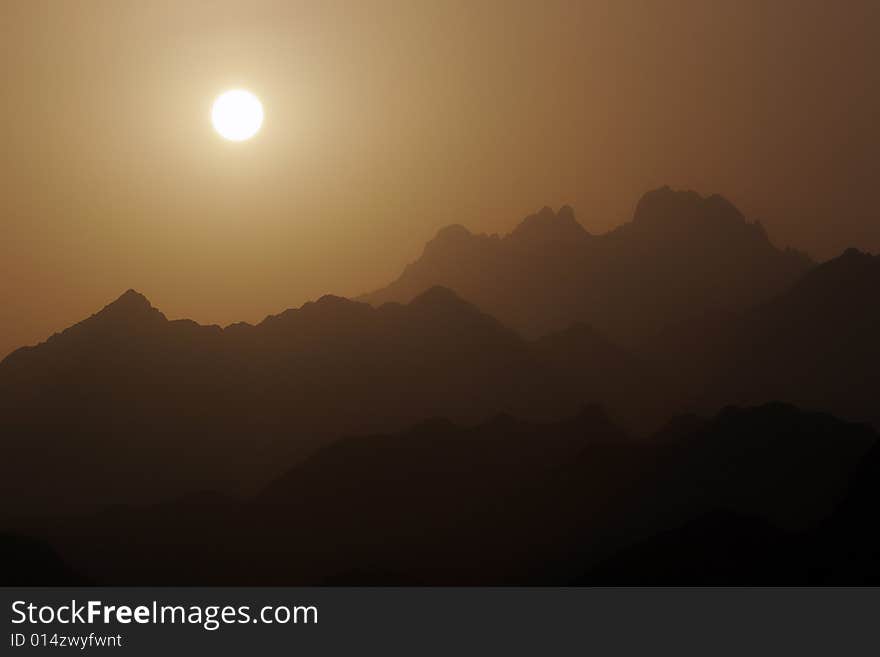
(681, 256)
(451, 384)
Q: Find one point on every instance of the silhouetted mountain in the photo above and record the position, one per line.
(29, 562)
(682, 255)
(726, 548)
(512, 501)
(815, 345)
(759, 495)
(137, 416)
(133, 398)
(720, 548)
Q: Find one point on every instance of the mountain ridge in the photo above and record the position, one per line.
(508, 501)
(684, 253)
(127, 385)
(135, 388)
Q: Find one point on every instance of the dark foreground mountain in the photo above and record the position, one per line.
(764, 495)
(125, 400)
(726, 548)
(25, 561)
(680, 257)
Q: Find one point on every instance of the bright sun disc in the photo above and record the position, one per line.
(237, 115)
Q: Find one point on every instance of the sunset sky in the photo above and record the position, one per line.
(385, 121)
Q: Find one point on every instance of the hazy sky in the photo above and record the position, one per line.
(387, 120)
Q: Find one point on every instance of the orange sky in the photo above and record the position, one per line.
(387, 120)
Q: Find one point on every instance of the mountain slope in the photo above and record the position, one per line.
(681, 256)
(150, 408)
(510, 500)
(815, 345)
(515, 502)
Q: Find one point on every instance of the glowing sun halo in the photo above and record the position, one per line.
(237, 115)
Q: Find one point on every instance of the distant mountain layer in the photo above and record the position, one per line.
(681, 256)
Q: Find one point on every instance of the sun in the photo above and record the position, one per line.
(237, 115)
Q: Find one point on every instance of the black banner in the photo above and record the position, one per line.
(417, 621)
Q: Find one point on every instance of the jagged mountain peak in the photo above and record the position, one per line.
(851, 263)
(332, 300)
(130, 307)
(452, 232)
(666, 204)
(129, 300)
(451, 239)
(438, 296)
(441, 306)
(546, 224)
(853, 254)
(130, 314)
(682, 255)
(329, 307)
(850, 277)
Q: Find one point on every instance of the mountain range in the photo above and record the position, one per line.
(133, 396)
(219, 449)
(136, 396)
(764, 495)
(682, 255)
